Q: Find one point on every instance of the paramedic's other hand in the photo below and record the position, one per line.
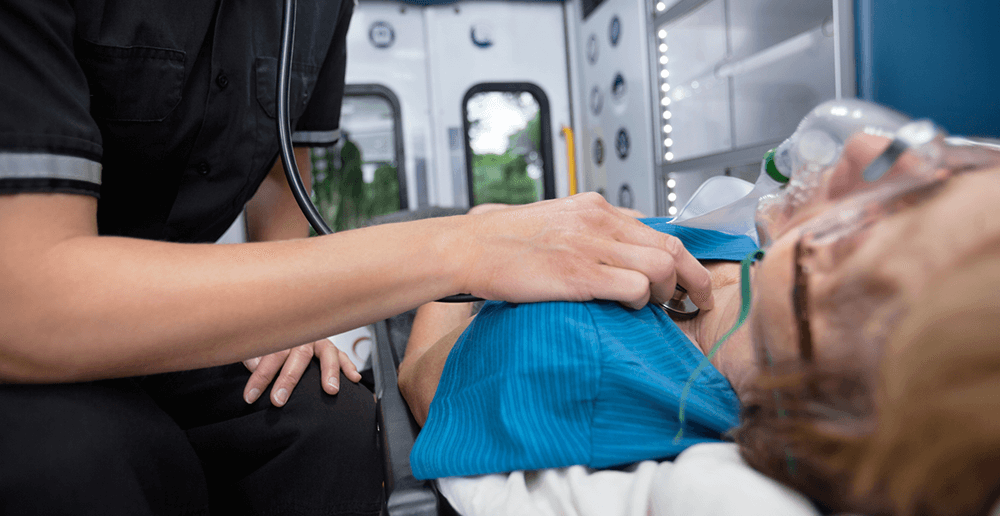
(292, 363)
(578, 248)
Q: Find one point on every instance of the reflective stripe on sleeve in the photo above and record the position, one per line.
(15, 165)
(316, 137)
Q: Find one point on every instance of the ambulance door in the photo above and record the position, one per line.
(387, 69)
(500, 98)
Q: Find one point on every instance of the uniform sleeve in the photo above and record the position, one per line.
(49, 142)
(320, 123)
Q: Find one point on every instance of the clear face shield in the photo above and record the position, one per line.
(829, 162)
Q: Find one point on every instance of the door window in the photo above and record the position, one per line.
(508, 144)
(361, 176)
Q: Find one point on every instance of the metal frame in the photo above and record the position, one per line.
(548, 173)
(405, 495)
(844, 49)
(679, 9)
(576, 97)
(863, 68)
(384, 92)
(720, 160)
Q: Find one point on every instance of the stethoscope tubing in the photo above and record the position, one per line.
(284, 128)
(285, 137)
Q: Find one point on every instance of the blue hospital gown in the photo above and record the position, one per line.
(546, 385)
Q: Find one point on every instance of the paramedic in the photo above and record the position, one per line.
(132, 134)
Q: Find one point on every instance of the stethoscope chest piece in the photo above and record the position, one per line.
(680, 307)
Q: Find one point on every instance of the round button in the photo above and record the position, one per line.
(615, 31)
(599, 151)
(381, 34)
(222, 81)
(203, 168)
(618, 87)
(592, 50)
(482, 35)
(596, 101)
(625, 198)
(622, 144)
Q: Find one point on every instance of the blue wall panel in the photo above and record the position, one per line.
(937, 59)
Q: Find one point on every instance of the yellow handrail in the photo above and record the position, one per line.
(570, 158)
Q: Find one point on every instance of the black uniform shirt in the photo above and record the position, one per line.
(164, 109)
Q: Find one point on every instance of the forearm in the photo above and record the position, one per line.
(89, 307)
(77, 306)
(435, 331)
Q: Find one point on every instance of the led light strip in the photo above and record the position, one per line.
(665, 113)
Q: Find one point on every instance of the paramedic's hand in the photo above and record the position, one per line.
(578, 248)
(292, 363)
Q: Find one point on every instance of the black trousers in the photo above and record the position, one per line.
(187, 443)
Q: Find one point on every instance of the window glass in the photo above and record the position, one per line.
(507, 154)
(357, 178)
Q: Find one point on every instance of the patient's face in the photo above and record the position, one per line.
(854, 285)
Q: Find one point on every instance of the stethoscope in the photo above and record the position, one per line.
(285, 137)
(678, 307)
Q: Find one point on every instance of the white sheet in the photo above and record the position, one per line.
(705, 480)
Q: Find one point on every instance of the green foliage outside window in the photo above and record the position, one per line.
(503, 178)
(340, 193)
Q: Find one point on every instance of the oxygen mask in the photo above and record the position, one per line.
(851, 149)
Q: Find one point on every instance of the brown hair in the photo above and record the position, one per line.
(921, 437)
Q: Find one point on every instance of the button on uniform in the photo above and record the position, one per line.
(203, 168)
(222, 81)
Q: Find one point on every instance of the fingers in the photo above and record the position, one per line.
(295, 364)
(251, 364)
(291, 364)
(264, 370)
(676, 266)
(628, 287)
(329, 365)
(347, 366)
(665, 261)
(578, 248)
(689, 273)
(332, 361)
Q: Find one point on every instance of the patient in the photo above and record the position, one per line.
(880, 386)
(849, 391)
